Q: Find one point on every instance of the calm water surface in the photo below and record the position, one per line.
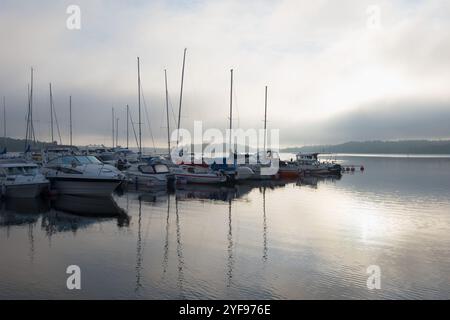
(306, 239)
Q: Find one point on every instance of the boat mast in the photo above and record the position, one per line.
(231, 108)
(139, 105)
(29, 135)
(4, 121)
(128, 120)
(51, 112)
(117, 131)
(181, 95)
(28, 118)
(265, 119)
(112, 123)
(70, 118)
(32, 135)
(167, 112)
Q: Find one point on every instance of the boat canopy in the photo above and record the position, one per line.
(152, 169)
(77, 160)
(307, 156)
(17, 162)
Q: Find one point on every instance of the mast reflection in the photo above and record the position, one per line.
(179, 250)
(166, 241)
(139, 249)
(264, 256)
(230, 262)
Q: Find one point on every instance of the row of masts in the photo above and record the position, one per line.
(115, 120)
(179, 110)
(231, 113)
(30, 134)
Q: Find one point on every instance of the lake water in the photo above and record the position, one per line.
(307, 239)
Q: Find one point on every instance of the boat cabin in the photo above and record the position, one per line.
(153, 168)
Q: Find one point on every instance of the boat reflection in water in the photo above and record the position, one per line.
(171, 209)
(16, 212)
(70, 213)
(225, 192)
(287, 239)
(87, 206)
(314, 181)
(65, 213)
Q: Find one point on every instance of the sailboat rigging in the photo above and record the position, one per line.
(181, 96)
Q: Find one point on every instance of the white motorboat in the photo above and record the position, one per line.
(21, 179)
(244, 172)
(261, 164)
(55, 151)
(309, 163)
(126, 154)
(197, 174)
(149, 174)
(289, 170)
(82, 175)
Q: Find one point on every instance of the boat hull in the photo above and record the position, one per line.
(148, 180)
(25, 190)
(200, 178)
(244, 173)
(85, 187)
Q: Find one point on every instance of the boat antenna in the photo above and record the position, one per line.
(181, 96)
(167, 113)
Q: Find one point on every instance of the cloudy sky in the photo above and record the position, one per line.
(336, 70)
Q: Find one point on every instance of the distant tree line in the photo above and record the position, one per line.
(386, 147)
(18, 145)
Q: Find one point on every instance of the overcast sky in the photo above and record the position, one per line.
(333, 75)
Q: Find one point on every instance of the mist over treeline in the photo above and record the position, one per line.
(386, 147)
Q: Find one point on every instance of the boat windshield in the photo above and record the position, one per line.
(105, 157)
(31, 170)
(161, 168)
(88, 160)
(15, 171)
(146, 169)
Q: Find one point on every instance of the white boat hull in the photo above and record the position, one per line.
(25, 190)
(85, 187)
(156, 180)
(200, 178)
(257, 174)
(318, 170)
(244, 173)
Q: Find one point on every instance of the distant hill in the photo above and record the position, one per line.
(18, 145)
(371, 147)
(386, 147)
